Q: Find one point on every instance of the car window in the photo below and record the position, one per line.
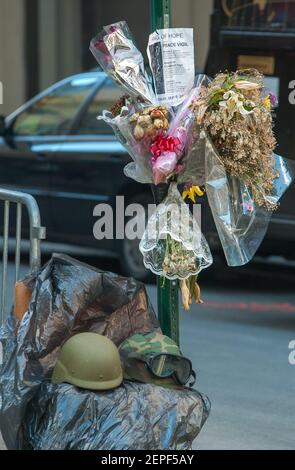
(105, 97)
(53, 113)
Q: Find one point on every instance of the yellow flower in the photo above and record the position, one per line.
(267, 102)
(192, 192)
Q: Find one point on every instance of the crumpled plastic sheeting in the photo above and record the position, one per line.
(173, 221)
(115, 51)
(70, 297)
(140, 169)
(134, 416)
(241, 223)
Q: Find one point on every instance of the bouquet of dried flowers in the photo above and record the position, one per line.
(235, 111)
(159, 141)
(244, 178)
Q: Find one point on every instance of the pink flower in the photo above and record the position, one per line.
(163, 166)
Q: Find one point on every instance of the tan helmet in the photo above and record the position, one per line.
(90, 361)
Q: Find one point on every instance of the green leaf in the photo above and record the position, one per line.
(248, 108)
(215, 98)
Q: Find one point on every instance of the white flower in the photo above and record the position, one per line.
(233, 103)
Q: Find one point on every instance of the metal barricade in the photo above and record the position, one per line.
(37, 233)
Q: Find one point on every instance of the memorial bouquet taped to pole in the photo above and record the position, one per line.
(195, 135)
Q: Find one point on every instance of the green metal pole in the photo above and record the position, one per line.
(160, 14)
(168, 295)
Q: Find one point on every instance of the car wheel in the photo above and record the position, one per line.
(130, 256)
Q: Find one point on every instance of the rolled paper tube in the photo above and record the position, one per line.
(22, 299)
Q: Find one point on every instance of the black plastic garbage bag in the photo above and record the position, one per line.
(70, 297)
(134, 416)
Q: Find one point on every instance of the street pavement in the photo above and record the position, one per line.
(238, 343)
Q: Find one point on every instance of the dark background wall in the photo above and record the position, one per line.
(97, 13)
(43, 41)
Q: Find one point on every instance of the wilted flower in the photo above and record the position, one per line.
(238, 119)
(185, 293)
(192, 192)
(200, 112)
(247, 85)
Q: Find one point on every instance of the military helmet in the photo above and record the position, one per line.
(90, 361)
(136, 350)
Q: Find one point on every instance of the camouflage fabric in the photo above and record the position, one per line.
(135, 370)
(144, 345)
(150, 343)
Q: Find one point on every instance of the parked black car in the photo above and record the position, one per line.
(54, 148)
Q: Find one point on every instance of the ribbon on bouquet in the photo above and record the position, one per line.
(165, 144)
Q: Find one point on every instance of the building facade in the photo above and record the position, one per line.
(42, 41)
